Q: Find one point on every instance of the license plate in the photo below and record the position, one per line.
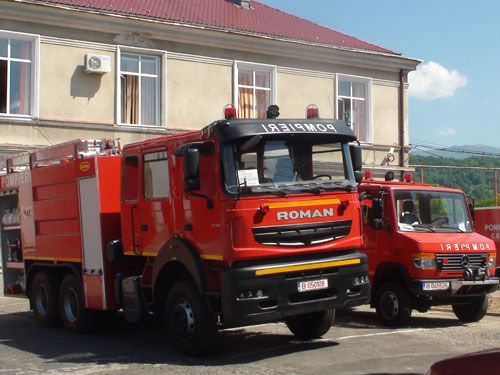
(305, 286)
(444, 285)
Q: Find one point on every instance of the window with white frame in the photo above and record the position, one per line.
(255, 89)
(140, 89)
(18, 74)
(353, 105)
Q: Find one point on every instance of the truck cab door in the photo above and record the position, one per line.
(131, 234)
(155, 206)
(377, 239)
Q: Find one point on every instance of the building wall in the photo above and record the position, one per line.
(67, 93)
(296, 92)
(199, 83)
(196, 93)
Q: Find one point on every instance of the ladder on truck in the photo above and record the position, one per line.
(62, 152)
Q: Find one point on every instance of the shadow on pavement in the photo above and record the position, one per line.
(117, 341)
(349, 318)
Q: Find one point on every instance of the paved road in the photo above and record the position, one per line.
(356, 345)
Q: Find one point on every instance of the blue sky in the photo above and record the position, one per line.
(455, 96)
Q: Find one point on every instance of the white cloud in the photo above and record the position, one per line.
(445, 132)
(432, 81)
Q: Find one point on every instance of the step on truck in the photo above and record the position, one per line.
(241, 223)
(423, 251)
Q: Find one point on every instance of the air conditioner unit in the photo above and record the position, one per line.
(97, 63)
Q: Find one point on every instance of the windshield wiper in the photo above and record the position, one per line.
(450, 227)
(420, 226)
(273, 189)
(309, 186)
(342, 185)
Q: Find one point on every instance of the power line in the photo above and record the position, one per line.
(470, 152)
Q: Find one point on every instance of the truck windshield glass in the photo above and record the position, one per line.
(286, 167)
(432, 211)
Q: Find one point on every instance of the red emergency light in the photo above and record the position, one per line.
(312, 111)
(368, 175)
(229, 112)
(409, 177)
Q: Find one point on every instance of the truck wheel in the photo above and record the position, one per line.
(473, 311)
(393, 305)
(189, 321)
(311, 326)
(74, 315)
(44, 299)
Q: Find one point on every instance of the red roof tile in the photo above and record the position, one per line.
(224, 14)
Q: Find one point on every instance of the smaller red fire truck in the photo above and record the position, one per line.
(422, 251)
(244, 222)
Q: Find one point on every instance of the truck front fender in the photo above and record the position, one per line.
(182, 253)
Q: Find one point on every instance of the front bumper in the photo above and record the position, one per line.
(456, 288)
(278, 281)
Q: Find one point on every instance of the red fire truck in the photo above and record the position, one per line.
(422, 251)
(487, 223)
(243, 222)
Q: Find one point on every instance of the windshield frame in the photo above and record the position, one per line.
(423, 220)
(229, 150)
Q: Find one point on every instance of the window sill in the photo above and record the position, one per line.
(14, 117)
(134, 126)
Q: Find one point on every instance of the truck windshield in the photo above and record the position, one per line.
(288, 166)
(432, 211)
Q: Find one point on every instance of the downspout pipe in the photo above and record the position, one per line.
(401, 121)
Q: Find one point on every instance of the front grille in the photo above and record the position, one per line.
(302, 234)
(455, 261)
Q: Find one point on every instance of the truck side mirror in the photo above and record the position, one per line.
(377, 213)
(192, 169)
(357, 161)
(470, 203)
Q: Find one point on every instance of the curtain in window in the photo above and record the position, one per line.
(245, 103)
(130, 99)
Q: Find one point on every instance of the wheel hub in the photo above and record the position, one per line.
(42, 300)
(70, 304)
(389, 305)
(182, 320)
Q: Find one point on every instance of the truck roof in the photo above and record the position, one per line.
(398, 185)
(309, 129)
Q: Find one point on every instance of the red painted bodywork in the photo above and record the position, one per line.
(50, 217)
(487, 221)
(480, 363)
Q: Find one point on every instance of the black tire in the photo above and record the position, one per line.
(75, 317)
(311, 326)
(44, 299)
(473, 310)
(188, 319)
(393, 304)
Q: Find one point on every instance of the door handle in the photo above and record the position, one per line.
(144, 227)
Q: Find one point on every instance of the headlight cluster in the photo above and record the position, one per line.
(491, 261)
(424, 261)
(361, 280)
(253, 294)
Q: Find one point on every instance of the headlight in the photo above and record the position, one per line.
(424, 261)
(492, 260)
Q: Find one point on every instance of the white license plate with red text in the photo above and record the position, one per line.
(443, 285)
(305, 286)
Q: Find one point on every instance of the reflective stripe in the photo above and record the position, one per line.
(304, 203)
(303, 267)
